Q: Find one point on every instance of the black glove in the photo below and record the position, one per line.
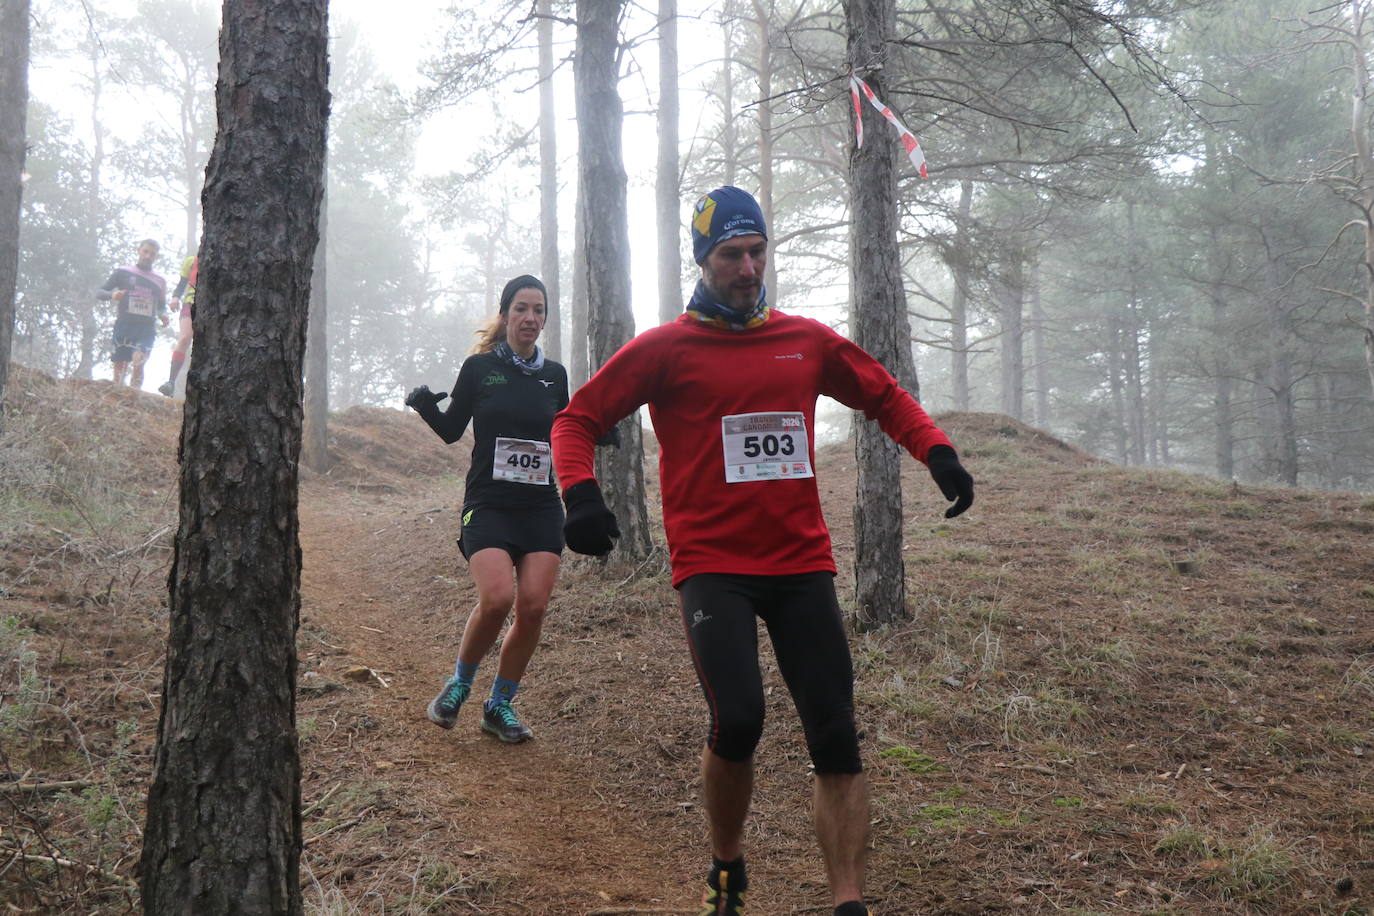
(422, 399)
(950, 476)
(611, 438)
(590, 525)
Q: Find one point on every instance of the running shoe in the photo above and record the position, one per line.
(443, 709)
(499, 719)
(166, 389)
(721, 898)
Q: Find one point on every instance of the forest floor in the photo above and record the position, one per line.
(1120, 691)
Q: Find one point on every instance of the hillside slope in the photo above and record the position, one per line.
(1120, 691)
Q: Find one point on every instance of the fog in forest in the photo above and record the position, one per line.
(1147, 228)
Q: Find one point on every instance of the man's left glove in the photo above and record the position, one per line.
(954, 482)
(590, 526)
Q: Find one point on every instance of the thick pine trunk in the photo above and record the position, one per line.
(548, 186)
(880, 326)
(667, 193)
(224, 820)
(610, 322)
(14, 100)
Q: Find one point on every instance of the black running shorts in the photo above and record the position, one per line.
(516, 531)
(719, 613)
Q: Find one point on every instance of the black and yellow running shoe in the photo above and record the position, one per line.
(725, 889)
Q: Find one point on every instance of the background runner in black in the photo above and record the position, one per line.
(512, 516)
(140, 297)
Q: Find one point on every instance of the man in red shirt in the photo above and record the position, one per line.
(731, 387)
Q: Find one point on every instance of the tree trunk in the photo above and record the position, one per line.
(961, 260)
(881, 327)
(1223, 419)
(1011, 297)
(14, 101)
(610, 322)
(764, 111)
(1039, 351)
(315, 447)
(1364, 167)
(548, 186)
(729, 151)
(578, 370)
(90, 320)
(667, 190)
(224, 816)
(1114, 374)
(1135, 382)
(1285, 429)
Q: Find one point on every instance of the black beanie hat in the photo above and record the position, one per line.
(524, 281)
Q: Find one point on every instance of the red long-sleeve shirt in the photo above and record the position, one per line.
(766, 380)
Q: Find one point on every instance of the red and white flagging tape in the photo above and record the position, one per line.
(913, 146)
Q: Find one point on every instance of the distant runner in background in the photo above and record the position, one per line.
(731, 387)
(141, 297)
(183, 300)
(512, 522)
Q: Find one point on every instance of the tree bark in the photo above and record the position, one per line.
(1116, 387)
(1135, 370)
(610, 321)
(224, 816)
(90, 321)
(315, 446)
(961, 259)
(14, 101)
(578, 369)
(1284, 431)
(1011, 294)
(729, 144)
(881, 327)
(1040, 359)
(764, 110)
(548, 186)
(667, 187)
(1364, 166)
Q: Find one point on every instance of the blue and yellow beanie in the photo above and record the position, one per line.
(723, 214)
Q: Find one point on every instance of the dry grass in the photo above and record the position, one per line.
(1119, 691)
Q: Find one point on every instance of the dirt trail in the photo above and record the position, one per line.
(529, 815)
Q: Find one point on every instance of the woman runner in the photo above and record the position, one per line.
(512, 519)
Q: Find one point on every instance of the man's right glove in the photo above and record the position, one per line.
(589, 526)
(422, 399)
(950, 476)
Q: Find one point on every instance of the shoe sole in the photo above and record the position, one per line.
(496, 733)
(437, 719)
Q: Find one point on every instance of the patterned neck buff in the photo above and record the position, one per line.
(704, 308)
(528, 366)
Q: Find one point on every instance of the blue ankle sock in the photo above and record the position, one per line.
(464, 672)
(503, 690)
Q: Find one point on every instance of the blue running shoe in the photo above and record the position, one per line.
(443, 709)
(499, 719)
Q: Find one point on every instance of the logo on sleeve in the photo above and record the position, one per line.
(789, 356)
